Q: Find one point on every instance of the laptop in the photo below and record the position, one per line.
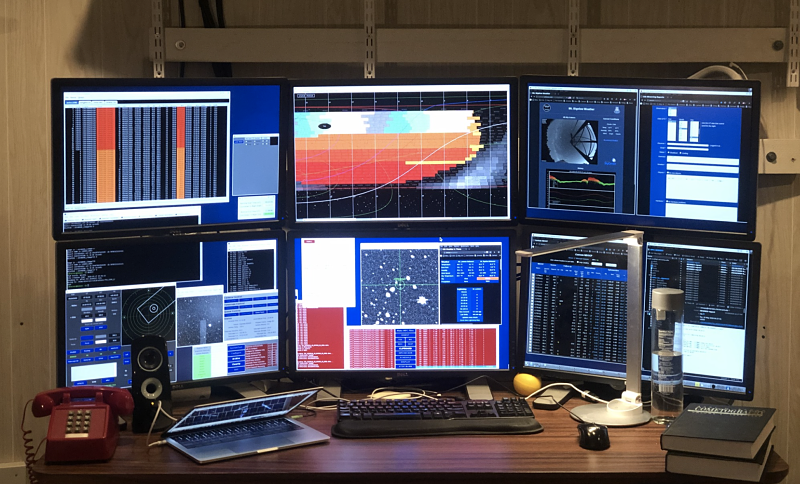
(237, 428)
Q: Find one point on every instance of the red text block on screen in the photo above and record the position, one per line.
(320, 338)
(372, 348)
(462, 347)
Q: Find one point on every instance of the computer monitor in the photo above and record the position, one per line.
(573, 310)
(655, 154)
(218, 300)
(398, 152)
(720, 280)
(147, 156)
(401, 305)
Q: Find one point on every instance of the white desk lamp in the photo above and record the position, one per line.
(627, 410)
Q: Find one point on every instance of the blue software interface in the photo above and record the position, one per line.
(575, 313)
(639, 155)
(160, 156)
(401, 302)
(216, 303)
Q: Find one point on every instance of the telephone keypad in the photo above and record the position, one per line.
(78, 423)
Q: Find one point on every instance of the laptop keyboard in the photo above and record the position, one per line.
(230, 433)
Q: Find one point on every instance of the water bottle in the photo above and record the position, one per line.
(666, 317)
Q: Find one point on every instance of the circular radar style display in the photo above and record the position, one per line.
(149, 311)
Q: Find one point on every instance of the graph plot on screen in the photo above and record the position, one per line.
(580, 190)
(401, 152)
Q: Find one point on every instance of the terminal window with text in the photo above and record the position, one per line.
(216, 301)
(575, 310)
(405, 152)
(136, 155)
(401, 302)
(630, 152)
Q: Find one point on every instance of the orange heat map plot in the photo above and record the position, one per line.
(401, 155)
(374, 148)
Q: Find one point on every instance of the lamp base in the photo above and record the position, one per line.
(600, 414)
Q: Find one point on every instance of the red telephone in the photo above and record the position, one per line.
(82, 430)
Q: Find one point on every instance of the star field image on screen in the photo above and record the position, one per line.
(401, 152)
(401, 303)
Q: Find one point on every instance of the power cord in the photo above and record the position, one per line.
(159, 410)
(385, 393)
(584, 393)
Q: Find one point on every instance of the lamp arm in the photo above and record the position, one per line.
(633, 347)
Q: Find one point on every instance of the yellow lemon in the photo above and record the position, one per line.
(525, 384)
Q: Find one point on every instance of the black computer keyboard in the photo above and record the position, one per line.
(444, 416)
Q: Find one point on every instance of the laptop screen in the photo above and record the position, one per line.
(241, 410)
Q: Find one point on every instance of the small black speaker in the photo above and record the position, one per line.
(150, 383)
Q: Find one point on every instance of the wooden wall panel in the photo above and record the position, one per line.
(30, 246)
(73, 38)
(124, 31)
(793, 371)
(7, 412)
(775, 317)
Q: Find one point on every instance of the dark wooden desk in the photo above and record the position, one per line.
(550, 456)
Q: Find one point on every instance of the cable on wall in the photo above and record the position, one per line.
(221, 69)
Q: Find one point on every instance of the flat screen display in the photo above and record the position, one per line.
(217, 300)
(574, 309)
(641, 153)
(393, 303)
(153, 155)
(404, 151)
(720, 323)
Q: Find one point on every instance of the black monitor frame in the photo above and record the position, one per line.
(153, 226)
(751, 318)
(744, 229)
(524, 300)
(355, 223)
(366, 378)
(151, 243)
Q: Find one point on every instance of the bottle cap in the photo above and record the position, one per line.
(668, 299)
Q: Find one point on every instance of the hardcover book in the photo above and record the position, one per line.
(722, 430)
(722, 467)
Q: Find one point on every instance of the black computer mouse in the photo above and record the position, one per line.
(593, 436)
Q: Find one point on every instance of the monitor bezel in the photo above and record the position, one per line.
(382, 377)
(277, 235)
(657, 225)
(60, 85)
(751, 329)
(359, 224)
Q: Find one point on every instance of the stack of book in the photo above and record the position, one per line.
(720, 441)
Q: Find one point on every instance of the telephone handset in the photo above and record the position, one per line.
(83, 421)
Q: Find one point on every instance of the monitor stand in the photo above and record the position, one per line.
(330, 389)
(248, 389)
(191, 394)
(479, 390)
